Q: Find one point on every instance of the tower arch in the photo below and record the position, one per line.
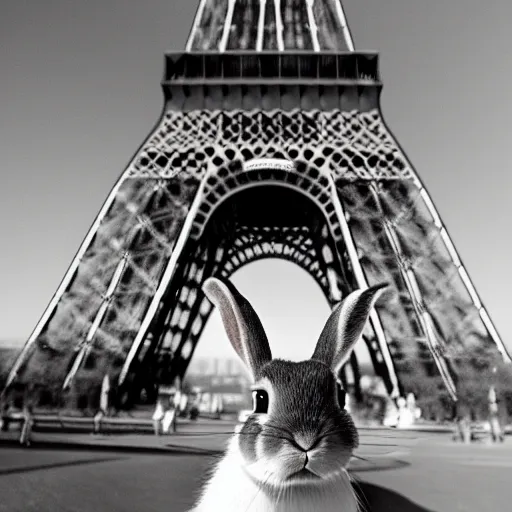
(246, 225)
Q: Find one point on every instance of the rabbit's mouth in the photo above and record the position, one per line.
(303, 475)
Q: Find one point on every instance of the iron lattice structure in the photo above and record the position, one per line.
(271, 143)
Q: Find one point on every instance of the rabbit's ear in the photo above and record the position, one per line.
(241, 322)
(345, 326)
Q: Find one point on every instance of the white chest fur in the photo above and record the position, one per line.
(230, 489)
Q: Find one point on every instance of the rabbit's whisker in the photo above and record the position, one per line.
(264, 434)
(358, 493)
(362, 458)
(259, 489)
(231, 433)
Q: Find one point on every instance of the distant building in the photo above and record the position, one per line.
(224, 377)
(215, 366)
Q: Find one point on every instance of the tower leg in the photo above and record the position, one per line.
(424, 317)
(164, 282)
(393, 386)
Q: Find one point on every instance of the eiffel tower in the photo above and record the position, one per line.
(271, 144)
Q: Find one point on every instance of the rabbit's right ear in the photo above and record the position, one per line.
(345, 326)
(241, 322)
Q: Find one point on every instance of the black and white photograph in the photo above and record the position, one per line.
(255, 256)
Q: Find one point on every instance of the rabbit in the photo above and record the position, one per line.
(292, 452)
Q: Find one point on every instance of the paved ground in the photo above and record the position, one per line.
(402, 472)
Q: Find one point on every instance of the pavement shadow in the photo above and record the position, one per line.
(379, 499)
(42, 467)
(168, 449)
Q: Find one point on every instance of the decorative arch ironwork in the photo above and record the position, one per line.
(317, 248)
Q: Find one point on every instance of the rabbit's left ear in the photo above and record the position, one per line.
(345, 326)
(241, 322)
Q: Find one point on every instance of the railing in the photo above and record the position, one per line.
(247, 67)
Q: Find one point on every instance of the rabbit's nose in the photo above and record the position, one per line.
(305, 440)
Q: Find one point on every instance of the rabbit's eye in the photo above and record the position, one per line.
(341, 395)
(260, 401)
